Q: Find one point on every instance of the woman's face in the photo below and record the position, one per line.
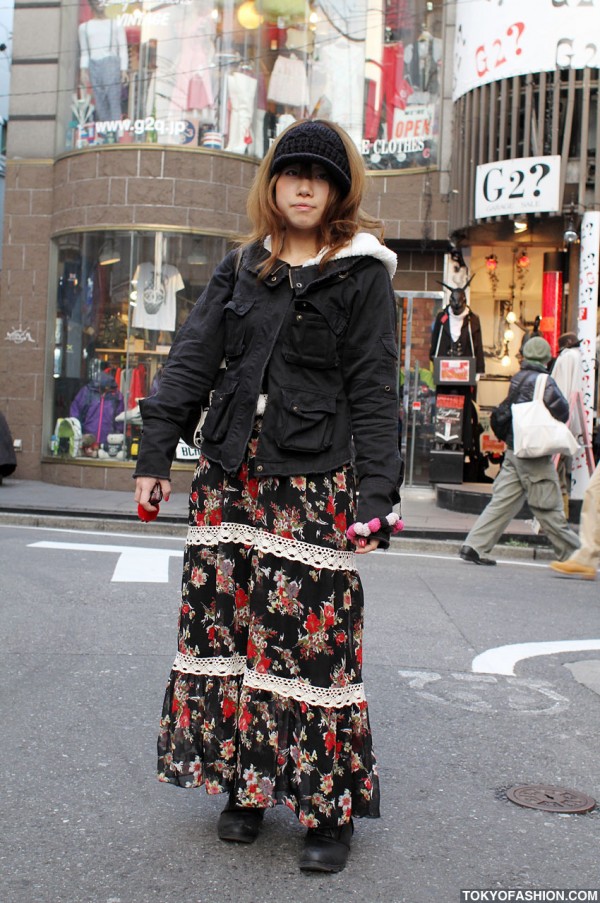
(301, 194)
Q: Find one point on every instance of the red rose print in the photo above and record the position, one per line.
(312, 623)
(263, 664)
(241, 598)
(228, 707)
(340, 522)
(330, 741)
(329, 614)
(245, 720)
(215, 517)
(251, 650)
(330, 506)
(184, 718)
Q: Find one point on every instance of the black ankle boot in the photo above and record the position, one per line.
(326, 849)
(240, 824)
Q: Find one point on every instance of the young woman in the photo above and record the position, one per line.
(266, 701)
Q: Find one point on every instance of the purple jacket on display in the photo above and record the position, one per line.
(96, 406)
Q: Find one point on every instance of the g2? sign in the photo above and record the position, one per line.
(522, 185)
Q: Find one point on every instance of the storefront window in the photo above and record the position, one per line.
(120, 299)
(229, 75)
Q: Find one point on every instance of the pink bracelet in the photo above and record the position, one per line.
(393, 520)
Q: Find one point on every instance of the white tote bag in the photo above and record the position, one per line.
(536, 432)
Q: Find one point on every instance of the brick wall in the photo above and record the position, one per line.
(121, 187)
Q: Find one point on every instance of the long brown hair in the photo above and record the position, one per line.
(343, 216)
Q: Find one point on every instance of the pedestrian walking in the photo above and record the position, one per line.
(520, 479)
(583, 563)
(266, 702)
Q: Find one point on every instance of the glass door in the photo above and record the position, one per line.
(416, 314)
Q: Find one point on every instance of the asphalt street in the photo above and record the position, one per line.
(89, 634)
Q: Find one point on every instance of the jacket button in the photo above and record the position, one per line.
(295, 407)
(298, 285)
(387, 388)
(259, 468)
(273, 278)
(298, 317)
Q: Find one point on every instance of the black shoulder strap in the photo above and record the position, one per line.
(237, 263)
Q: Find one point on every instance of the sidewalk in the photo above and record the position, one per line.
(46, 504)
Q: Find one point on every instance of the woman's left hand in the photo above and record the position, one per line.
(369, 546)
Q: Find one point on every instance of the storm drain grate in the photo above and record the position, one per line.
(549, 798)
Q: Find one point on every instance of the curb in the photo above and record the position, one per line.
(514, 546)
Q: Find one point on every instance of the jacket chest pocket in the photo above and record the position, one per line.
(311, 338)
(306, 421)
(220, 411)
(236, 325)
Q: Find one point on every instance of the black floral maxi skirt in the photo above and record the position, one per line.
(265, 699)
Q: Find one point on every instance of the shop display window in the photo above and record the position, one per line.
(232, 75)
(120, 299)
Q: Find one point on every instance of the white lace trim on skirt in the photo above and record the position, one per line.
(219, 666)
(292, 688)
(282, 546)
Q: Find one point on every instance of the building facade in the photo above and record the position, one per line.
(136, 130)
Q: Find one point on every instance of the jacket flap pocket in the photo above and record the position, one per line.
(302, 402)
(240, 306)
(389, 343)
(330, 312)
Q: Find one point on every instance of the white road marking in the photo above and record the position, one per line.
(136, 564)
(502, 659)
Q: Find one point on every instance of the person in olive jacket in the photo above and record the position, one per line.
(524, 479)
(266, 701)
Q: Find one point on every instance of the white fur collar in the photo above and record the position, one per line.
(362, 245)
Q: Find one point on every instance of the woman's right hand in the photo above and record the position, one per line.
(143, 490)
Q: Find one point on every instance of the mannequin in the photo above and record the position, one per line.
(96, 405)
(457, 330)
(104, 61)
(457, 333)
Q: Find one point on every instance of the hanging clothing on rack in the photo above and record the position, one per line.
(343, 63)
(241, 87)
(156, 306)
(373, 68)
(395, 92)
(193, 89)
(288, 84)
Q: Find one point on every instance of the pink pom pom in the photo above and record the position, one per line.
(374, 525)
(351, 532)
(398, 526)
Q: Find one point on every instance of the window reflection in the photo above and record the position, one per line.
(232, 76)
(120, 299)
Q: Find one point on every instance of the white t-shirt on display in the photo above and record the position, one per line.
(156, 306)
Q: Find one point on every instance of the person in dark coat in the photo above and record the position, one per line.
(524, 479)
(8, 459)
(265, 701)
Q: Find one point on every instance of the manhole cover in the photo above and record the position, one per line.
(550, 799)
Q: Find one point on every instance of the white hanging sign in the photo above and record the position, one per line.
(589, 252)
(496, 39)
(522, 185)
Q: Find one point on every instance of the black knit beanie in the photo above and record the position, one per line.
(314, 142)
